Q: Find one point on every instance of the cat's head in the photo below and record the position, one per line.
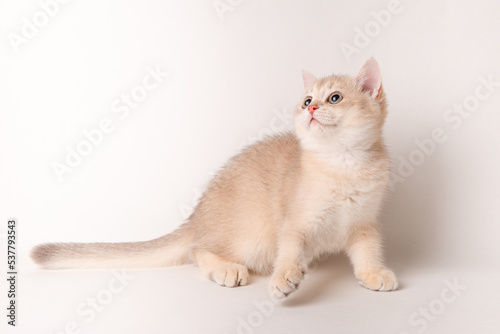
(349, 111)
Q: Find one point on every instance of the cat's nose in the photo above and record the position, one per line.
(312, 107)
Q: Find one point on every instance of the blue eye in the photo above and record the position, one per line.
(335, 98)
(307, 102)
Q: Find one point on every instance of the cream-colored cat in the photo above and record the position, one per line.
(282, 202)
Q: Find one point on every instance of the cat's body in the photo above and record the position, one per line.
(282, 202)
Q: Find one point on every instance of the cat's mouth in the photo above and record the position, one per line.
(316, 122)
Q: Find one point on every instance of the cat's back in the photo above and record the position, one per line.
(257, 176)
(270, 153)
(265, 165)
(243, 204)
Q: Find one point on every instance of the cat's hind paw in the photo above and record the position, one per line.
(230, 275)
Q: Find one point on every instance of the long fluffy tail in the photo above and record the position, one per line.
(169, 250)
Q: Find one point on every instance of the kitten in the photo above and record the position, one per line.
(282, 202)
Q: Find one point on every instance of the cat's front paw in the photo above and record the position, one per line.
(378, 280)
(284, 282)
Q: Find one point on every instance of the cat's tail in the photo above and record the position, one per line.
(170, 250)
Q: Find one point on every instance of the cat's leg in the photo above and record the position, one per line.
(290, 266)
(220, 271)
(364, 248)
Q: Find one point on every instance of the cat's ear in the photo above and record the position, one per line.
(308, 80)
(369, 78)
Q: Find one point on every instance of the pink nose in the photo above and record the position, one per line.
(312, 107)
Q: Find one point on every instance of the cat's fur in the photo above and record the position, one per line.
(282, 202)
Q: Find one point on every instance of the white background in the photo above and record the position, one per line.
(230, 75)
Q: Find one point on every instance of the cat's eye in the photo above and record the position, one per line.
(335, 98)
(307, 102)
